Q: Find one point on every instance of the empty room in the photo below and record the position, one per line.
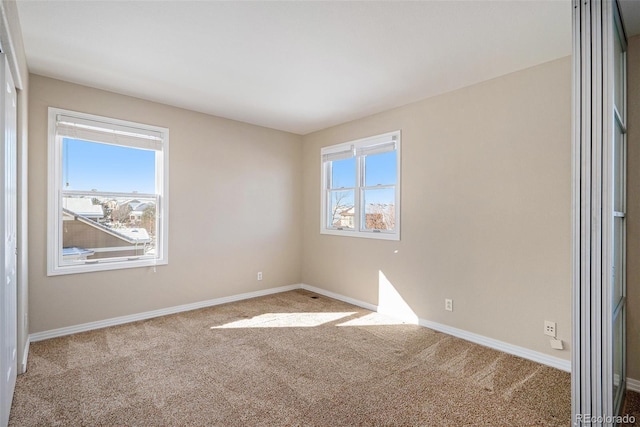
(320, 213)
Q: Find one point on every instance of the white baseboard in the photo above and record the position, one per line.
(339, 297)
(633, 385)
(525, 353)
(53, 333)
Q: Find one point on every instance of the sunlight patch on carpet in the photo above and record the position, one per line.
(373, 319)
(286, 320)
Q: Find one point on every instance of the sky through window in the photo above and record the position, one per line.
(109, 168)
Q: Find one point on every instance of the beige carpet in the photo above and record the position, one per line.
(288, 359)
(632, 407)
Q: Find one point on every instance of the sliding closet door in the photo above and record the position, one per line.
(600, 173)
(8, 237)
(618, 111)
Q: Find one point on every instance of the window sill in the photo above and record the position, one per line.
(105, 266)
(362, 234)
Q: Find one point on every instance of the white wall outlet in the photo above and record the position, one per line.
(259, 275)
(448, 304)
(550, 328)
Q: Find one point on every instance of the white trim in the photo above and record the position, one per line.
(25, 356)
(633, 385)
(525, 353)
(339, 297)
(54, 333)
(116, 248)
(365, 234)
(9, 49)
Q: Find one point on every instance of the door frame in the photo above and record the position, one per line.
(11, 44)
(8, 239)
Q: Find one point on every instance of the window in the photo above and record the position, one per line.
(108, 204)
(361, 188)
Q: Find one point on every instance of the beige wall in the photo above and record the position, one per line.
(633, 211)
(486, 210)
(235, 209)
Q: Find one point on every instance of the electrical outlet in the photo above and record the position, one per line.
(448, 304)
(259, 275)
(550, 328)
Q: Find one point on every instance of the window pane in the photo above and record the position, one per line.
(618, 266)
(619, 75)
(95, 227)
(343, 173)
(618, 353)
(103, 167)
(341, 209)
(619, 166)
(379, 209)
(380, 169)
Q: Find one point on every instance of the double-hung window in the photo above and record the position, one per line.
(361, 188)
(107, 194)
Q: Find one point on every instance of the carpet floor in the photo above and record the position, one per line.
(288, 359)
(632, 407)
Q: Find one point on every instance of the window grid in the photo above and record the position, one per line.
(361, 150)
(137, 239)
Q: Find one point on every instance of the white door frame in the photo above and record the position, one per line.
(11, 44)
(8, 237)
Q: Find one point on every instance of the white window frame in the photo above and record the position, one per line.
(127, 134)
(358, 149)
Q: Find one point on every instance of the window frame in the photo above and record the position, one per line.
(55, 264)
(359, 148)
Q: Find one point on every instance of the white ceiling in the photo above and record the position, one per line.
(295, 66)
